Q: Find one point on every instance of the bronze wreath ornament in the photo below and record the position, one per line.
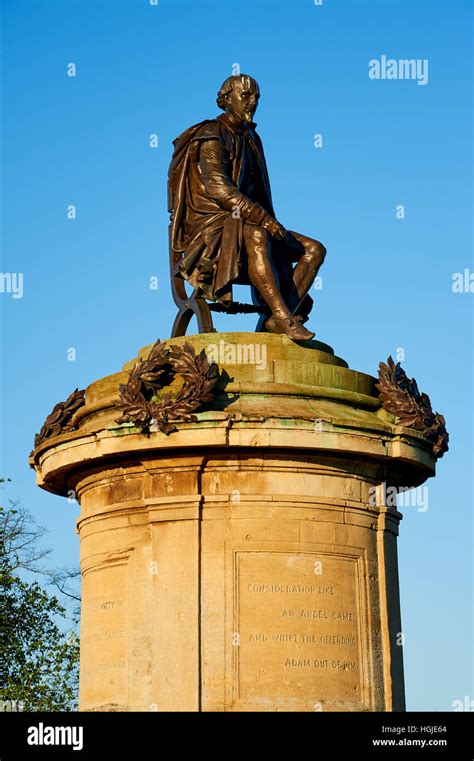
(140, 400)
(59, 420)
(401, 397)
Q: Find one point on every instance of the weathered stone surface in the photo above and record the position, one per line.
(242, 563)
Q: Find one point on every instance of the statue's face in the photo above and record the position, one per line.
(242, 101)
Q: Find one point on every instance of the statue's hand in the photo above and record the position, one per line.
(274, 228)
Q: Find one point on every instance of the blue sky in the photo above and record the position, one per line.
(387, 282)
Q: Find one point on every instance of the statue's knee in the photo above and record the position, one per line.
(317, 251)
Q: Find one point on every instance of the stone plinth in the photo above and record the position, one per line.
(242, 562)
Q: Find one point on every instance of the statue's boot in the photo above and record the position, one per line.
(281, 320)
(290, 326)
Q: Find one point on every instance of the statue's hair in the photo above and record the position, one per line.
(228, 86)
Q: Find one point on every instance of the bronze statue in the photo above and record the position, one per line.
(223, 227)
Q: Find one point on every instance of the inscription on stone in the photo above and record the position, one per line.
(298, 624)
(104, 632)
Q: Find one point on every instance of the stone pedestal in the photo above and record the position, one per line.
(246, 561)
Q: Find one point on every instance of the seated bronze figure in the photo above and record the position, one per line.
(223, 227)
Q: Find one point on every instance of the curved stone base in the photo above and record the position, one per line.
(243, 580)
(247, 561)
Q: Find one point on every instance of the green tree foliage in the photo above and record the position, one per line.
(39, 661)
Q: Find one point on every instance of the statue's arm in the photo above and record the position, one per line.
(213, 161)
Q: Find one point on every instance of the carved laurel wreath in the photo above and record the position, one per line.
(59, 420)
(140, 401)
(401, 397)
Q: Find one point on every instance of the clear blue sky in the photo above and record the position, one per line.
(387, 282)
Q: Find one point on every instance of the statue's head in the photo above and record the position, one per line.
(239, 96)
